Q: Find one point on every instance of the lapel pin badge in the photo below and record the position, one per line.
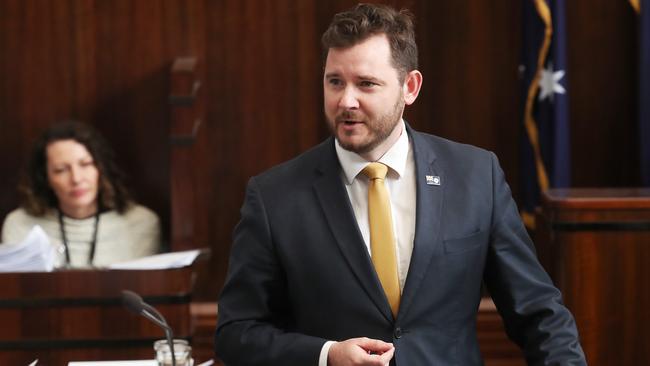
(433, 180)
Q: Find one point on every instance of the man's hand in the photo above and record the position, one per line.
(360, 352)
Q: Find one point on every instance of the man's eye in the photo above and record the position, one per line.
(335, 82)
(367, 84)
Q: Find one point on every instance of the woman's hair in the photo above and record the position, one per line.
(38, 196)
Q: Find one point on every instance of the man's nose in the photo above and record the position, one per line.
(349, 99)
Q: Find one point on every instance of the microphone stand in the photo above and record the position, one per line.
(169, 334)
(135, 303)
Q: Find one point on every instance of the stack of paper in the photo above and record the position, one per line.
(160, 261)
(33, 254)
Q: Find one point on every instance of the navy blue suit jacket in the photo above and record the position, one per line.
(300, 273)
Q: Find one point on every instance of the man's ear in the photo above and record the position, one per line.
(412, 85)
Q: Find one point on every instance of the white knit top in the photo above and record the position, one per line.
(120, 237)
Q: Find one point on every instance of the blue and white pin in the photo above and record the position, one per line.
(433, 180)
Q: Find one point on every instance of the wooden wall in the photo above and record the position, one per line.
(106, 62)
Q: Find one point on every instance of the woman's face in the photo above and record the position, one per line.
(73, 177)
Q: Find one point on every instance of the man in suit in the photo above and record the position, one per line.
(316, 278)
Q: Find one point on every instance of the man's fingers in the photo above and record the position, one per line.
(360, 351)
(379, 359)
(374, 345)
(385, 357)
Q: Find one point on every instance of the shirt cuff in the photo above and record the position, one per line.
(322, 360)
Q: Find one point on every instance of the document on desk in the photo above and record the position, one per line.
(33, 254)
(115, 363)
(160, 261)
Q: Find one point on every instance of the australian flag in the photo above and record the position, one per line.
(545, 148)
(644, 92)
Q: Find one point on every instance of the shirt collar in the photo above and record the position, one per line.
(395, 158)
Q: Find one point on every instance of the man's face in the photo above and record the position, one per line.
(364, 99)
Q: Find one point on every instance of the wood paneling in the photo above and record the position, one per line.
(57, 317)
(204, 320)
(603, 83)
(263, 104)
(104, 62)
(107, 62)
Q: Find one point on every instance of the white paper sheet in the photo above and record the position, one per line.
(160, 261)
(33, 254)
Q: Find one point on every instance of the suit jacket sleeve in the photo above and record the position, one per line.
(530, 305)
(254, 323)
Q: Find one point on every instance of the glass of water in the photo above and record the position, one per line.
(182, 351)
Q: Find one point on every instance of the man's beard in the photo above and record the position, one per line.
(379, 128)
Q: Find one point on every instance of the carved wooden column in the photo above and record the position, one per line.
(187, 115)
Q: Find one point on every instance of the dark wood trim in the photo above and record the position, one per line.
(90, 301)
(601, 226)
(82, 343)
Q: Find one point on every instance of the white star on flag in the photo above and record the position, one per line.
(550, 83)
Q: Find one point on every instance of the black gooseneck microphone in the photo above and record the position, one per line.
(134, 302)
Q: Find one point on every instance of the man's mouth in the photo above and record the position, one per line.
(348, 121)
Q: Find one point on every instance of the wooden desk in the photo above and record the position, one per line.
(595, 244)
(78, 315)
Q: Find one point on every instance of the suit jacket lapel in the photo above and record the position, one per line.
(428, 214)
(335, 202)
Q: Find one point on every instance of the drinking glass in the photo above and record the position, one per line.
(182, 351)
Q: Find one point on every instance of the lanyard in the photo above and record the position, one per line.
(93, 243)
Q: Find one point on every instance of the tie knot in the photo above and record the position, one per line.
(375, 171)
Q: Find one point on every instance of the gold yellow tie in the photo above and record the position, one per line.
(382, 241)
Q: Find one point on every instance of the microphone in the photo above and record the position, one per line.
(134, 303)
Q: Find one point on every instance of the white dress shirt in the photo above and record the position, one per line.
(400, 183)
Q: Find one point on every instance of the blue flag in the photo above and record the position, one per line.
(644, 92)
(545, 148)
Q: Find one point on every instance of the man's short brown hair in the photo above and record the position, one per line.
(365, 20)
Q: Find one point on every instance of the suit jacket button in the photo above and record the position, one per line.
(398, 333)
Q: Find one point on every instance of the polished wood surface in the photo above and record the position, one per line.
(204, 318)
(78, 314)
(108, 63)
(596, 245)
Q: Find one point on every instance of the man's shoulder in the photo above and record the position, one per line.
(443, 147)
